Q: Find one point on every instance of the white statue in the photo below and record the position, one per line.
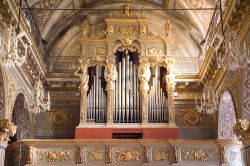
(110, 74)
(144, 75)
(39, 96)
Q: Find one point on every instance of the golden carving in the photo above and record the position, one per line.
(161, 154)
(56, 155)
(95, 155)
(126, 10)
(108, 155)
(127, 30)
(85, 28)
(167, 28)
(155, 50)
(198, 155)
(191, 116)
(7, 129)
(144, 75)
(29, 155)
(127, 155)
(98, 50)
(127, 46)
(79, 155)
(57, 117)
(242, 129)
(223, 155)
(110, 74)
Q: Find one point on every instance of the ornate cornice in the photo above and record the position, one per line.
(242, 130)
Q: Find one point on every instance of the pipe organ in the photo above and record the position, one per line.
(130, 73)
(96, 98)
(127, 101)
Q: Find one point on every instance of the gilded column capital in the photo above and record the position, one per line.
(242, 129)
(7, 129)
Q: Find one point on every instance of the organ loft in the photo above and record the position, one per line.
(124, 83)
(127, 82)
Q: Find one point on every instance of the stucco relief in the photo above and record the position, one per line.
(226, 118)
(246, 94)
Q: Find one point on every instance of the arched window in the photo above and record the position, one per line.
(21, 118)
(226, 117)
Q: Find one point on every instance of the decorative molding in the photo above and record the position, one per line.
(127, 155)
(55, 155)
(199, 155)
(191, 116)
(59, 117)
(161, 154)
(95, 155)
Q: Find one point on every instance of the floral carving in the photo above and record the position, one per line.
(198, 155)
(95, 155)
(56, 155)
(161, 154)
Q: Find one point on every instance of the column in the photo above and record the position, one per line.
(82, 72)
(242, 130)
(144, 75)
(7, 129)
(110, 75)
(170, 90)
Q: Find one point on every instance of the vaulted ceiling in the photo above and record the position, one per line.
(61, 29)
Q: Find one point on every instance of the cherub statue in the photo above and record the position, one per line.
(144, 75)
(82, 72)
(110, 74)
(167, 28)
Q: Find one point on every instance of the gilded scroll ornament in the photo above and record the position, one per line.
(56, 155)
(95, 155)
(127, 30)
(98, 50)
(56, 117)
(155, 50)
(127, 155)
(191, 116)
(126, 45)
(161, 154)
(198, 155)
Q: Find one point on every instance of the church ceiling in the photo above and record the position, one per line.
(61, 29)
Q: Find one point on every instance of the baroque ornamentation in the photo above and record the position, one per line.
(127, 30)
(126, 45)
(167, 29)
(55, 155)
(191, 116)
(223, 155)
(110, 74)
(98, 50)
(39, 103)
(60, 117)
(155, 50)
(198, 155)
(82, 72)
(127, 155)
(85, 28)
(95, 155)
(242, 129)
(29, 155)
(161, 154)
(7, 129)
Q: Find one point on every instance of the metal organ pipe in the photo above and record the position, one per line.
(96, 105)
(157, 107)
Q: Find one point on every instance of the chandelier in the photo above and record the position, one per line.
(231, 56)
(10, 52)
(209, 103)
(39, 102)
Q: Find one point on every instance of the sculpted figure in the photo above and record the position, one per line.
(143, 29)
(82, 72)
(85, 28)
(224, 158)
(144, 75)
(29, 155)
(110, 74)
(108, 155)
(80, 155)
(167, 28)
(39, 93)
(146, 154)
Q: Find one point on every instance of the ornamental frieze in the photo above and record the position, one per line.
(59, 155)
(127, 155)
(199, 154)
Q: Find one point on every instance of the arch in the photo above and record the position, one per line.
(226, 117)
(21, 118)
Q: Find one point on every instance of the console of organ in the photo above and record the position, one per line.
(126, 94)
